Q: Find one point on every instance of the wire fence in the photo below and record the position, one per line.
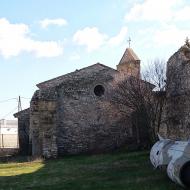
(9, 141)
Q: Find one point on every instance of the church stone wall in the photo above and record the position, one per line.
(73, 118)
(87, 122)
(131, 68)
(43, 125)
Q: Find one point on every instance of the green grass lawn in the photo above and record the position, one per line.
(118, 171)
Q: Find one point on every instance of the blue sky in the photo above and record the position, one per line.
(42, 39)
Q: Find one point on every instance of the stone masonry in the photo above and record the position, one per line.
(23, 131)
(178, 94)
(72, 114)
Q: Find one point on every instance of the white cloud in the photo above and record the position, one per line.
(90, 37)
(47, 22)
(154, 10)
(15, 39)
(119, 38)
(93, 39)
(171, 36)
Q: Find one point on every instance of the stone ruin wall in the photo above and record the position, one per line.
(178, 95)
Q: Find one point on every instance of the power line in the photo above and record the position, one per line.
(19, 104)
(25, 98)
(7, 100)
(9, 113)
(18, 108)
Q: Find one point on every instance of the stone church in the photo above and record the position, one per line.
(72, 114)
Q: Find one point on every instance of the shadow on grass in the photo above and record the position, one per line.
(116, 171)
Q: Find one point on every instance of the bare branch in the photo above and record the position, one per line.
(143, 97)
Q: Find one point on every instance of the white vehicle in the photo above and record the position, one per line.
(175, 156)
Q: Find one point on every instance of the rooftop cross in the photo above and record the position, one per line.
(129, 41)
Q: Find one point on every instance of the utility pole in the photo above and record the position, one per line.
(19, 104)
(19, 109)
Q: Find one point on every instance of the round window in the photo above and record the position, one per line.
(99, 90)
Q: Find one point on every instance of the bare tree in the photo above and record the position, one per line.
(143, 99)
(155, 73)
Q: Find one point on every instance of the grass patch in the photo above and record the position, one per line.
(116, 171)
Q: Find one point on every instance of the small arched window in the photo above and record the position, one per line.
(99, 90)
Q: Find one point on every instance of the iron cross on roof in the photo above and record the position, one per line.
(129, 41)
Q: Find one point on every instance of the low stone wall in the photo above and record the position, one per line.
(8, 151)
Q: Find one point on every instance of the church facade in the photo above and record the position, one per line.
(72, 114)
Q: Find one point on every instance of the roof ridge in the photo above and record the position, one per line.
(22, 111)
(76, 71)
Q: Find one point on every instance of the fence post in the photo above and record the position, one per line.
(17, 140)
(2, 141)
